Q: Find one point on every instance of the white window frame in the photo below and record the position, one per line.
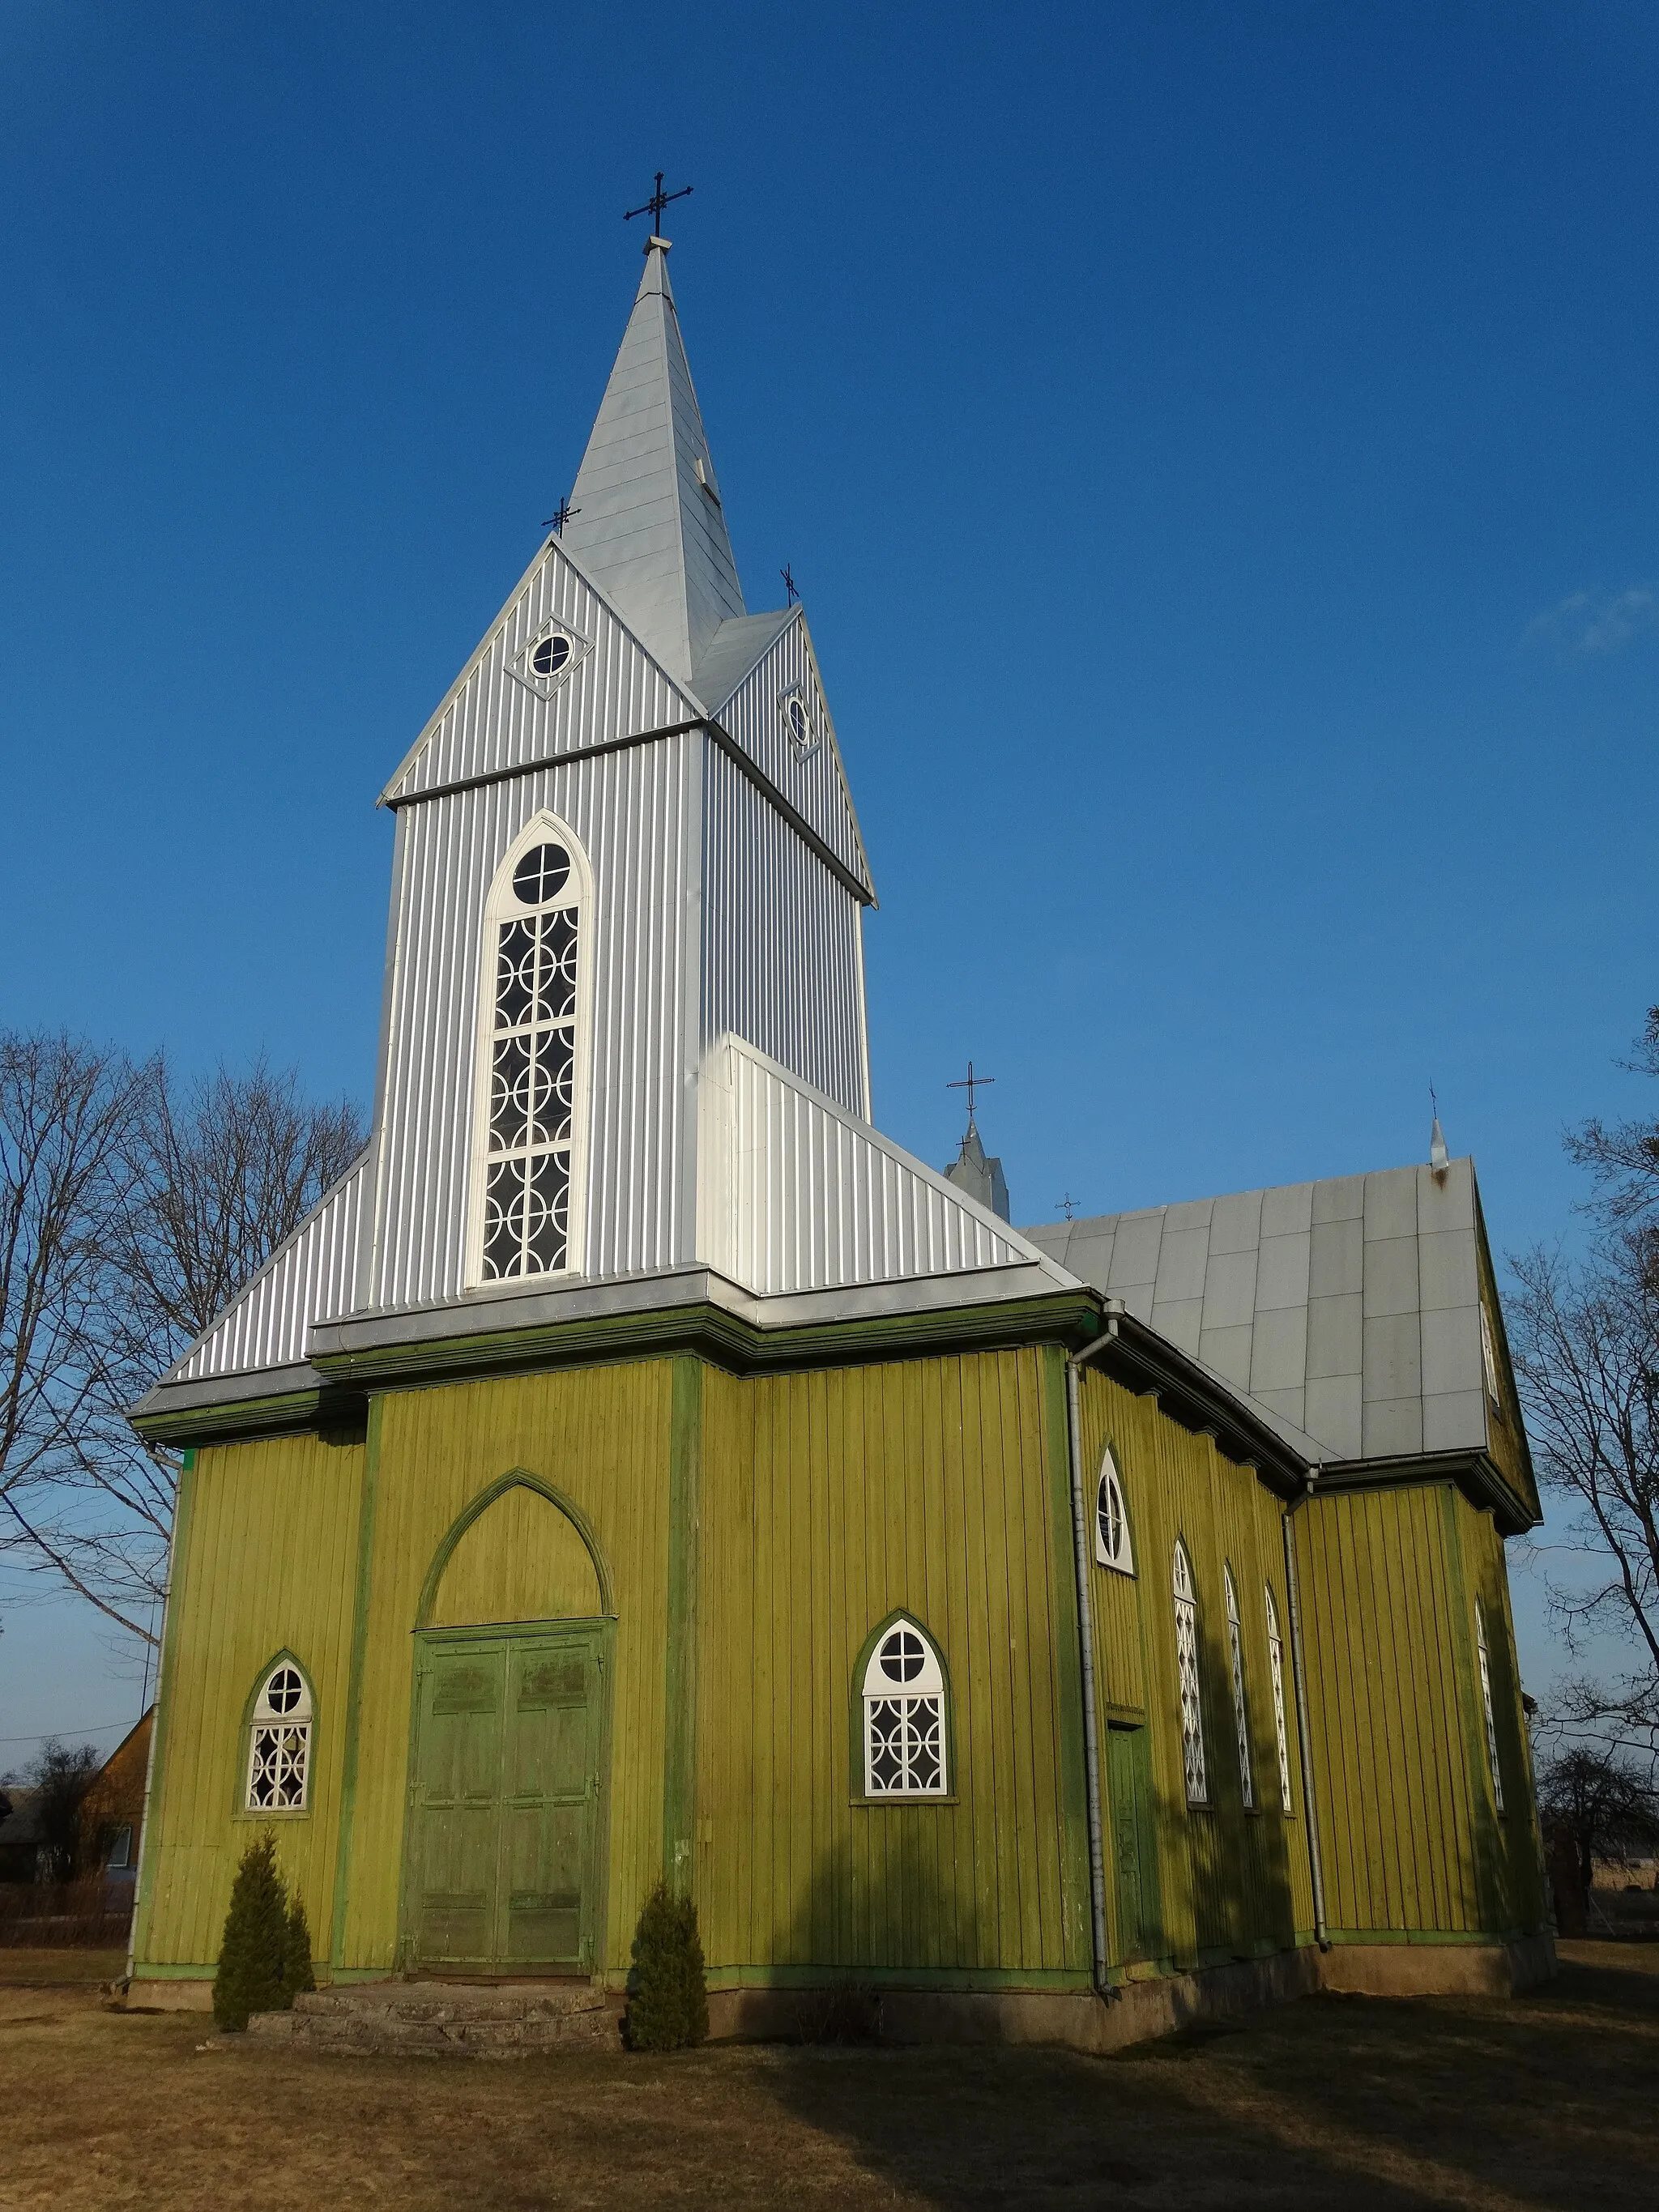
(501, 907)
(1194, 1764)
(1241, 1706)
(1487, 1705)
(907, 1713)
(281, 1737)
(1489, 1359)
(1276, 1669)
(1110, 1510)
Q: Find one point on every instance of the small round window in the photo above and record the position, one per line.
(800, 722)
(542, 874)
(284, 1690)
(549, 655)
(902, 1655)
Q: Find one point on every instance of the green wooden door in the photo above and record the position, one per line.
(1134, 1843)
(505, 1800)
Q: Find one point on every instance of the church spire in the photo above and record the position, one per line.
(646, 523)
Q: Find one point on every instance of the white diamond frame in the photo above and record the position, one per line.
(1276, 1669)
(1113, 1547)
(1487, 1705)
(905, 1751)
(544, 687)
(803, 748)
(1191, 1702)
(278, 1778)
(503, 909)
(1241, 1707)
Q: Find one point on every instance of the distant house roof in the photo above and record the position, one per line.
(1349, 1308)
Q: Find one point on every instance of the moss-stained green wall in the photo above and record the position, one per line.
(828, 1501)
(267, 1539)
(1232, 1883)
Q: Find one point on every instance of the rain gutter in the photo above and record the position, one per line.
(1103, 1987)
(1300, 1682)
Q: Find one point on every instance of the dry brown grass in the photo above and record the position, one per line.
(1547, 2101)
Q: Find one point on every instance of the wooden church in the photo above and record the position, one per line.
(639, 1466)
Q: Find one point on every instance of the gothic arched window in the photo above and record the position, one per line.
(1112, 1545)
(532, 1050)
(1276, 1669)
(279, 1742)
(1192, 1703)
(1241, 1710)
(1486, 1707)
(905, 1751)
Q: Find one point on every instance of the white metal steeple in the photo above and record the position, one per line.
(646, 524)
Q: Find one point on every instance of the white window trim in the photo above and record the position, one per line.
(1189, 1681)
(1276, 1669)
(1122, 1561)
(1241, 1706)
(926, 1687)
(544, 828)
(298, 1720)
(1487, 1705)
(1489, 1359)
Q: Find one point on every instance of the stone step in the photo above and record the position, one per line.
(455, 2020)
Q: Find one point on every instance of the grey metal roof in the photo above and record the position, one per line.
(736, 648)
(647, 522)
(1349, 1308)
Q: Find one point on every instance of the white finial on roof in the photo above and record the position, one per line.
(1439, 1158)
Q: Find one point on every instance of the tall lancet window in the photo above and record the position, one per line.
(532, 1054)
(1191, 1702)
(1241, 1707)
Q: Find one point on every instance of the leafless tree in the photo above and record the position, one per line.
(1608, 1809)
(1585, 1339)
(203, 1181)
(65, 1106)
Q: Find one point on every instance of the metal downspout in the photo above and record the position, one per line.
(149, 1753)
(1103, 1988)
(1299, 1677)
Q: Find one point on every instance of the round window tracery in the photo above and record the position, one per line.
(549, 655)
(541, 875)
(800, 722)
(902, 1655)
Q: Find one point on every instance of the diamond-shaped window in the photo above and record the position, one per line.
(547, 657)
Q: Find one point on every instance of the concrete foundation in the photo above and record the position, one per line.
(1439, 1970)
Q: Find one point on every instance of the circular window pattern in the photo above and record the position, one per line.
(542, 874)
(1110, 1514)
(549, 656)
(901, 1656)
(800, 722)
(283, 1693)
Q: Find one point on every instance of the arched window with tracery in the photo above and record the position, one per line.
(532, 1052)
(1113, 1545)
(1241, 1709)
(279, 1742)
(1487, 1705)
(1276, 1672)
(906, 1753)
(1192, 1703)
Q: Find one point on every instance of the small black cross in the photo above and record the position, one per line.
(1068, 1205)
(654, 206)
(560, 516)
(789, 584)
(970, 1083)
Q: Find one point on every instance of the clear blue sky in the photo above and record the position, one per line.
(1217, 446)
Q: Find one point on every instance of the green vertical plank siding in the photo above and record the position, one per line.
(267, 1552)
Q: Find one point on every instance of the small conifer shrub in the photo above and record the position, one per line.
(253, 1952)
(668, 1996)
(297, 1976)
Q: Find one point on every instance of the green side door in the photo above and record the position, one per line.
(1134, 1843)
(504, 1801)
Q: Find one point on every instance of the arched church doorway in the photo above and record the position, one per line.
(509, 1756)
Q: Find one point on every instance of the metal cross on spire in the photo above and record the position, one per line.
(560, 514)
(790, 587)
(970, 1083)
(1068, 1205)
(654, 206)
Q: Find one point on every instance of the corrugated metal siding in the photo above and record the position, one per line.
(1398, 1824)
(311, 1278)
(601, 1436)
(635, 813)
(781, 962)
(268, 1562)
(489, 721)
(829, 1500)
(1231, 1883)
(817, 787)
(795, 1195)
